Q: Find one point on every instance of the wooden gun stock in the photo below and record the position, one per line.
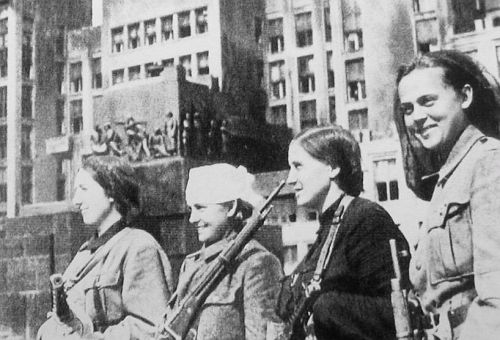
(399, 299)
(59, 304)
(178, 324)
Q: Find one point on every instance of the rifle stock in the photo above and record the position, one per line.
(399, 299)
(178, 324)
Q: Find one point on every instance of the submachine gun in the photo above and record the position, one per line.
(178, 324)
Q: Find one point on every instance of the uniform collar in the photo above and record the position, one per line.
(464, 144)
(96, 241)
(207, 253)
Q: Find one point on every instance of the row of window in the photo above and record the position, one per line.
(154, 69)
(26, 153)
(75, 75)
(175, 26)
(354, 74)
(353, 36)
(26, 102)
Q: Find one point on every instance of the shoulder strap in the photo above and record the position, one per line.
(327, 249)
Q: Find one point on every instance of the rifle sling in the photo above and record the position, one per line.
(327, 249)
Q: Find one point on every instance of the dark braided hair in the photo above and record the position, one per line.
(117, 178)
(336, 147)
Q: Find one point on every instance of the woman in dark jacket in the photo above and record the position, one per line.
(353, 300)
(119, 282)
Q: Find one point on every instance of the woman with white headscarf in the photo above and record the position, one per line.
(221, 199)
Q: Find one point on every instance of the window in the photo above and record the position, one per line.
(60, 126)
(306, 74)
(167, 28)
(75, 109)
(62, 167)
(307, 114)
(117, 76)
(358, 125)
(184, 24)
(26, 142)
(27, 52)
(277, 73)
(329, 69)
(134, 72)
(150, 32)
(328, 25)
(201, 20)
(117, 39)
(26, 184)
(353, 41)
(3, 101)
(3, 185)
(203, 67)
(420, 6)
(386, 180)
(75, 75)
(3, 141)
(465, 13)
(259, 71)
(96, 73)
(355, 80)
(59, 71)
(59, 43)
(276, 41)
(427, 32)
(153, 70)
(331, 109)
(303, 27)
(185, 61)
(133, 36)
(3, 47)
(278, 115)
(258, 29)
(26, 107)
(496, 21)
(168, 63)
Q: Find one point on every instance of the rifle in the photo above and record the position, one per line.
(59, 304)
(399, 299)
(178, 324)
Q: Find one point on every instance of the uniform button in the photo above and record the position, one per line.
(418, 266)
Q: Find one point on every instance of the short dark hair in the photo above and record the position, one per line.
(336, 147)
(117, 178)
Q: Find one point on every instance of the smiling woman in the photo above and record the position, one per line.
(447, 108)
(242, 304)
(352, 298)
(119, 281)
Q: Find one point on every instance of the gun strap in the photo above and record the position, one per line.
(327, 249)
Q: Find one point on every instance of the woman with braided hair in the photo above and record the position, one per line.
(119, 282)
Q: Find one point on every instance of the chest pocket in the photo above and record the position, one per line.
(104, 299)
(450, 236)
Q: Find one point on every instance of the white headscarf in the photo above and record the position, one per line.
(219, 183)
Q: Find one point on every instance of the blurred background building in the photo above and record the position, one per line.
(239, 77)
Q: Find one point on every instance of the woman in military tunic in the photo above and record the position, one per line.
(119, 282)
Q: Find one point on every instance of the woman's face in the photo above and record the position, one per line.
(211, 221)
(433, 111)
(310, 177)
(91, 199)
